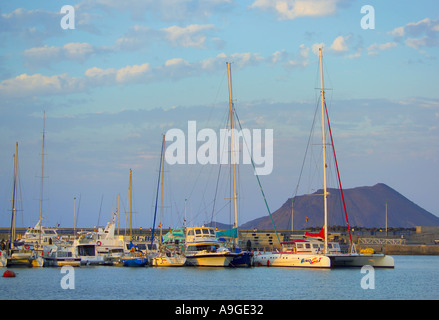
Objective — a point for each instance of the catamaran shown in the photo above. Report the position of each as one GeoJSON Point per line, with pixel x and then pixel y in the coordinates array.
{"type": "Point", "coordinates": [314, 251]}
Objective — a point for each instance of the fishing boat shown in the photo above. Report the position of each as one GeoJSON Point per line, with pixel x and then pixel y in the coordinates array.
{"type": "Point", "coordinates": [318, 252]}
{"type": "Point", "coordinates": [168, 255]}
{"type": "Point", "coordinates": [203, 249]}
{"type": "Point", "coordinates": [60, 256]}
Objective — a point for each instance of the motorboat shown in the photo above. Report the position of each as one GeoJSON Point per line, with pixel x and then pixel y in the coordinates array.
{"type": "Point", "coordinates": [60, 256]}
{"type": "Point", "coordinates": [87, 250]}
{"type": "Point", "coordinates": [203, 249]}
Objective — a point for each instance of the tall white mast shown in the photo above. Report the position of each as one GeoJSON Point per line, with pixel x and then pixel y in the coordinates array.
{"type": "Point", "coordinates": [325, 194]}
{"type": "Point", "coordinates": [161, 201]}
{"type": "Point", "coordinates": [235, 225]}
{"type": "Point", "coordinates": [131, 209]}
{"type": "Point", "coordinates": [42, 176]}
{"type": "Point", "coordinates": [14, 194]}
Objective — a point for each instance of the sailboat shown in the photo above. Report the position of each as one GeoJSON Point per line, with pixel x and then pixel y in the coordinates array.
{"type": "Point", "coordinates": [18, 253]}
{"type": "Point", "coordinates": [169, 255]}
{"type": "Point", "coordinates": [40, 236]}
{"type": "Point", "coordinates": [240, 258]}
{"type": "Point", "coordinates": [133, 258]}
{"type": "Point", "coordinates": [314, 251]}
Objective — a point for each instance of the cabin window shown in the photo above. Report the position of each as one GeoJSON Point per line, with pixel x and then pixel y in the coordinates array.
{"type": "Point", "coordinates": [315, 246]}
{"type": "Point", "coordinates": [212, 232]}
{"type": "Point", "coordinates": [190, 233]}
{"type": "Point", "coordinates": [197, 231]}
{"type": "Point", "coordinates": [308, 246]}
{"type": "Point", "coordinates": [205, 231]}
{"type": "Point", "coordinates": [300, 246]}
{"type": "Point", "coordinates": [329, 246]}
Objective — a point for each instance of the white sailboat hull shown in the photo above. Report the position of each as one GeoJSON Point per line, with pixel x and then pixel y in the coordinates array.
{"type": "Point", "coordinates": [292, 260]}
{"type": "Point", "coordinates": [163, 261]}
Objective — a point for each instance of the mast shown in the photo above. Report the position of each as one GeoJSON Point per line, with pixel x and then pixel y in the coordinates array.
{"type": "Point", "coordinates": [131, 210]}
{"type": "Point", "coordinates": [235, 225]}
{"type": "Point", "coordinates": [42, 174]}
{"type": "Point", "coordinates": [14, 196]}
{"type": "Point", "coordinates": [161, 201]}
{"type": "Point", "coordinates": [118, 217]}
{"type": "Point", "coordinates": [325, 194]}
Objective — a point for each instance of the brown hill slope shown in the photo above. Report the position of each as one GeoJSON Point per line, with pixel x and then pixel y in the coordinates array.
{"type": "Point", "coordinates": [365, 207]}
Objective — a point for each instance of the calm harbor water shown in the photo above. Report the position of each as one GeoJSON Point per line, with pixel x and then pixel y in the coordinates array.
{"type": "Point", "coordinates": [414, 277]}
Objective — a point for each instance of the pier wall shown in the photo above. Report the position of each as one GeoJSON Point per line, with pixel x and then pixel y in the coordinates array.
{"type": "Point", "coordinates": [408, 249]}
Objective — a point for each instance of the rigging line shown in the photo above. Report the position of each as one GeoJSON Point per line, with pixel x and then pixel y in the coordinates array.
{"type": "Point", "coordinates": [306, 151]}
{"type": "Point", "coordinates": [216, 192]}
{"type": "Point", "coordinates": [259, 182]}
{"type": "Point", "coordinates": [100, 208]}
{"type": "Point", "coordinates": [338, 175]}
{"type": "Point", "coordinates": [157, 196]}
{"type": "Point", "coordinates": [196, 181]}
{"type": "Point", "coordinates": [219, 173]}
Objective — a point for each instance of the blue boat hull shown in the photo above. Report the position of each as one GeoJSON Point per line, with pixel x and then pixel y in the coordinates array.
{"type": "Point", "coordinates": [242, 259]}
{"type": "Point", "coordinates": [137, 262]}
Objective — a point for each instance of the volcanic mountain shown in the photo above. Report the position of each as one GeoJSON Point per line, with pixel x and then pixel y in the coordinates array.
{"type": "Point", "coordinates": [365, 206]}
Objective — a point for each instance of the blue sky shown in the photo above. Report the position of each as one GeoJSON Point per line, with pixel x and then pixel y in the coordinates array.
{"type": "Point", "coordinates": [131, 70]}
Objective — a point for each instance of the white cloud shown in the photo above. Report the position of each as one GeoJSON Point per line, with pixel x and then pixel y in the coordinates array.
{"type": "Point", "coordinates": [132, 73]}
{"type": "Point", "coordinates": [38, 85]}
{"type": "Point", "coordinates": [45, 55]}
{"type": "Point", "coordinates": [339, 45]}
{"type": "Point", "coordinates": [417, 35]}
{"type": "Point", "coordinates": [189, 36]}
{"type": "Point", "coordinates": [98, 76]}
{"type": "Point", "coordinates": [165, 9]}
{"type": "Point", "coordinates": [375, 48]}
{"type": "Point", "coordinates": [137, 37]}
{"type": "Point", "coordinates": [292, 9]}
{"type": "Point", "coordinates": [302, 57]}
{"type": "Point", "coordinates": [26, 85]}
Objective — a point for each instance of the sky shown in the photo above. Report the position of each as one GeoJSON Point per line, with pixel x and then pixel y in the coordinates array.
{"type": "Point", "coordinates": [112, 76]}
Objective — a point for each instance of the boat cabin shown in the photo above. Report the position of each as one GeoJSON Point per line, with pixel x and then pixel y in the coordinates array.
{"type": "Point", "coordinates": [42, 236]}
{"type": "Point", "coordinates": [309, 247]}
{"type": "Point", "coordinates": [197, 234]}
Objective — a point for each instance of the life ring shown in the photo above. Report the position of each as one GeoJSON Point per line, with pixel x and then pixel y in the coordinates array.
{"type": "Point", "coordinates": [26, 246]}
{"type": "Point", "coordinates": [99, 243]}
